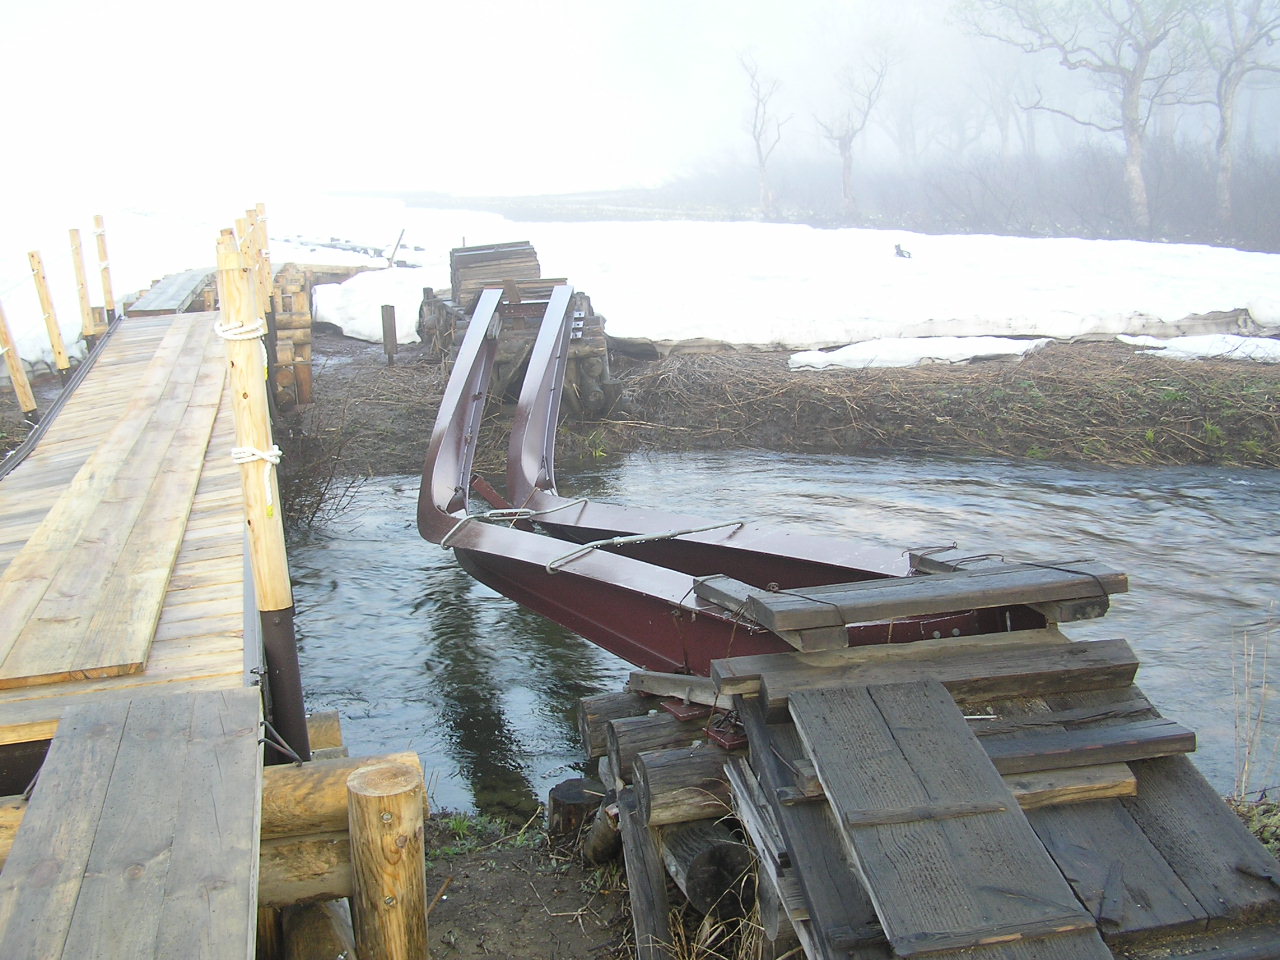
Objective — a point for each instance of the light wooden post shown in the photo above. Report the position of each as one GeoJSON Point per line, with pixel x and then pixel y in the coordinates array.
{"type": "Point", "coordinates": [265, 277]}
{"type": "Point", "coordinates": [389, 339]}
{"type": "Point", "coordinates": [17, 373]}
{"type": "Point", "coordinates": [105, 266]}
{"type": "Point", "coordinates": [88, 328]}
{"type": "Point", "coordinates": [257, 454]}
{"type": "Point", "coordinates": [389, 906]}
{"type": "Point", "coordinates": [60, 358]}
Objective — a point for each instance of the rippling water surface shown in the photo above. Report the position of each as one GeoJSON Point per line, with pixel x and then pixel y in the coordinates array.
{"type": "Point", "coordinates": [415, 654]}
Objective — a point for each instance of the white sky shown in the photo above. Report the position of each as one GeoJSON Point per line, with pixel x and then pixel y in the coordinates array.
{"type": "Point", "coordinates": [492, 96]}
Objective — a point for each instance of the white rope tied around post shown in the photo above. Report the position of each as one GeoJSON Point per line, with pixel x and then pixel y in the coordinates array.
{"type": "Point", "coordinates": [229, 331]}
{"type": "Point", "coordinates": [246, 455]}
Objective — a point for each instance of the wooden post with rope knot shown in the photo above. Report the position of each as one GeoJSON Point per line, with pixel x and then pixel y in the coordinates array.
{"type": "Point", "coordinates": [242, 328]}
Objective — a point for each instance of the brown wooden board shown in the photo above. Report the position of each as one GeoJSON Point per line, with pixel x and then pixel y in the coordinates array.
{"type": "Point", "coordinates": [141, 838]}
{"type": "Point", "coordinates": [647, 881]}
{"type": "Point", "coordinates": [1223, 865]}
{"type": "Point", "coordinates": [969, 673]}
{"type": "Point", "coordinates": [952, 881]}
{"type": "Point", "coordinates": [872, 601]}
{"type": "Point", "coordinates": [743, 675]}
{"type": "Point", "coordinates": [1115, 871]}
{"type": "Point", "coordinates": [1084, 746]}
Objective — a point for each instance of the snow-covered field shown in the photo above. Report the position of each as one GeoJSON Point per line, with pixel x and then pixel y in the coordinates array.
{"type": "Point", "coordinates": [782, 285]}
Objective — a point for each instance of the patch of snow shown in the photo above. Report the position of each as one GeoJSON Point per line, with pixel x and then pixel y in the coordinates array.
{"type": "Point", "coordinates": [356, 305]}
{"type": "Point", "coordinates": [1210, 346]}
{"type": "Point", "coordinates": [913, 352]}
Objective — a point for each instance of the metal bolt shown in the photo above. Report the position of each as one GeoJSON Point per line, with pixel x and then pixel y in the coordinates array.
{"type": "Point", "coordinates": [386, 818]}
{"type": "Point", "coordinates": [389, 901]}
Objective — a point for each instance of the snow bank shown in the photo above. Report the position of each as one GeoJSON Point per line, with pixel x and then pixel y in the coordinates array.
{"type": "Point", "coordinates": [1219, 346]}
{"type": "Point", "coordinates": [356, 305]}
{"type": "Point", "coordinates": [781, 285]}
{"type": "Point", "coordinates": [914, 351]}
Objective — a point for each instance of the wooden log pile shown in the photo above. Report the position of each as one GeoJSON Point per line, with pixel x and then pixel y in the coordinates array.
{"type": "Point", "coordinates": [1013, 794]}
{"type": "Point", "coordinates": [472, 269]}
{"type": "Point", "coordinates": [513, 268]}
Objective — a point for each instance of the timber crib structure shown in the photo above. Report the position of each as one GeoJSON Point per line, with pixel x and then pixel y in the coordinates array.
{"type": "Point", "coordinates": [888, 754]}
{"type": "Point", "coordinates": [147, 658]}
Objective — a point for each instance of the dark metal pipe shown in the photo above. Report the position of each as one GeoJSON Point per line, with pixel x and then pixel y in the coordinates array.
{"type": "Point", "coordinates": [284, 682]}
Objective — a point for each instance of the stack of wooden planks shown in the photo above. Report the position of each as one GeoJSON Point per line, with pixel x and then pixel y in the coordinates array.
{"type": "Point", "coordinates": [472, 269]}
{"type": "Point", "coordinates": [1014, 795]}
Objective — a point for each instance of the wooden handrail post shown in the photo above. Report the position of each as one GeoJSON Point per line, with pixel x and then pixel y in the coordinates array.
{"type": "Point", "coordinates": [105, 266]}
{"type": "Point", "coordinates": [17, 373]}
{"type": "Point", "coordinates": [385, 807]}
{"type": "Point", "coordinates": [60, 358]}
{"type": "Point", "coordinates": [242, 329]}
{"type": "Point", "coordinates": [88, 328]}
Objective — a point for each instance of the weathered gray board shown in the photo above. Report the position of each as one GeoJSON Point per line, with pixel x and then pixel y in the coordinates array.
{"type": "Point", "coordinates": [873, 601]}
{"type": "Point", "coordinates": [141, 839]}
{"type": "Point", "coordinates": [986, 671]}
{"type": "Point", "coordinates": [948, 859]}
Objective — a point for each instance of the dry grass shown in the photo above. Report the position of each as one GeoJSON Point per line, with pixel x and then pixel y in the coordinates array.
{"type": "Point", "coordinates": [1084, 402]}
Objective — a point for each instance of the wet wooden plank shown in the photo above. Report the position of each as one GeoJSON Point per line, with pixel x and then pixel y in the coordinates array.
{"type": "Point", "coordinates": [957, 878]}
{"type": "Point", "coordinates": [1115, 871]}
{"type": "Point", "coordinates": [1223, 865]}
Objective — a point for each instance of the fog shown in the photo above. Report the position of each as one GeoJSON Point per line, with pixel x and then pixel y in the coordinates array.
{"type": "Point", "coordinates": [156, 103]}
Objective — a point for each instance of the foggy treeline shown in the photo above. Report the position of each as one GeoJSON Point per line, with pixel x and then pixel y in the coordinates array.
{"type": "Point", "coordinates": [1151, 119]}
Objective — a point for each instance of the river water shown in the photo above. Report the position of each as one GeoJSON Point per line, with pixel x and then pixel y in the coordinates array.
{"type": "Point", "coordinates": [416, 655]}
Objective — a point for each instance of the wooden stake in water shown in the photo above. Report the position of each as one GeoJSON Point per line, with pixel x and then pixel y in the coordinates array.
{"type": "Point", "coordinates": [88, 328]}
{"type": "Point", "coordinates": [17, 373]}
{"type": "Point", "coordinates": [105, 266]}
{"type": "Point", "coordinates": [60, 358]}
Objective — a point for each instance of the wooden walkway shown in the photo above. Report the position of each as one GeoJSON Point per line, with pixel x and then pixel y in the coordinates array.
{"type": "Point", "coordinates": [121, 535]}
{"type": "Point", "coordinates": [142, 837]}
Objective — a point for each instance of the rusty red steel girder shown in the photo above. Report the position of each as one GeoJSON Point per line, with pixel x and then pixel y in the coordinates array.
{"type": "Point", "coordinates": [635, 598]}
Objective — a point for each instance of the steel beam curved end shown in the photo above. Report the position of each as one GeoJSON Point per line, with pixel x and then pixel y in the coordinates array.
{"type": "Point", "coordinates": [442, 498]}
{"type": "Point", "coordinates": [531, 452]}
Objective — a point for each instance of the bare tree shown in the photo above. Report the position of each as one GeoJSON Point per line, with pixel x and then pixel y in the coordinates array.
{"type": "Point", "coordinates": [1238, 39]}
{"type": "Point", "coordinates": [860, 90]}
{"type": "Point", "coordinates": [1131, 49]}
{"type": "Point", "coordinates": [766, 130]}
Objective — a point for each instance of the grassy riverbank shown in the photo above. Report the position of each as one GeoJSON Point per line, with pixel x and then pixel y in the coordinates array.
{"type": "Point", "coordinates": [1087, 402]}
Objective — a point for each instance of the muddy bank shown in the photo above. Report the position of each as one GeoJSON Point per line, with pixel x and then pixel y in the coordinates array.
{"type": "Point", "coordinates": [1085, 402]}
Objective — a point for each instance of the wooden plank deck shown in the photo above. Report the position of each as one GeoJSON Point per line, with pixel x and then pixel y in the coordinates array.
{"type": "Point", "coordinates": [179, 540]}
{"type": "Point", "coordinates": [142, 835]}
{"type": "Point", "coordinates": [920, 808]}
{"type": "Point", "coordinates": [172, 294]}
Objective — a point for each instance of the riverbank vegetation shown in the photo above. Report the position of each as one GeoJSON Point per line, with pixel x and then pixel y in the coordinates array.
{"type": "Point", "coordinates": [1102, 403]}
